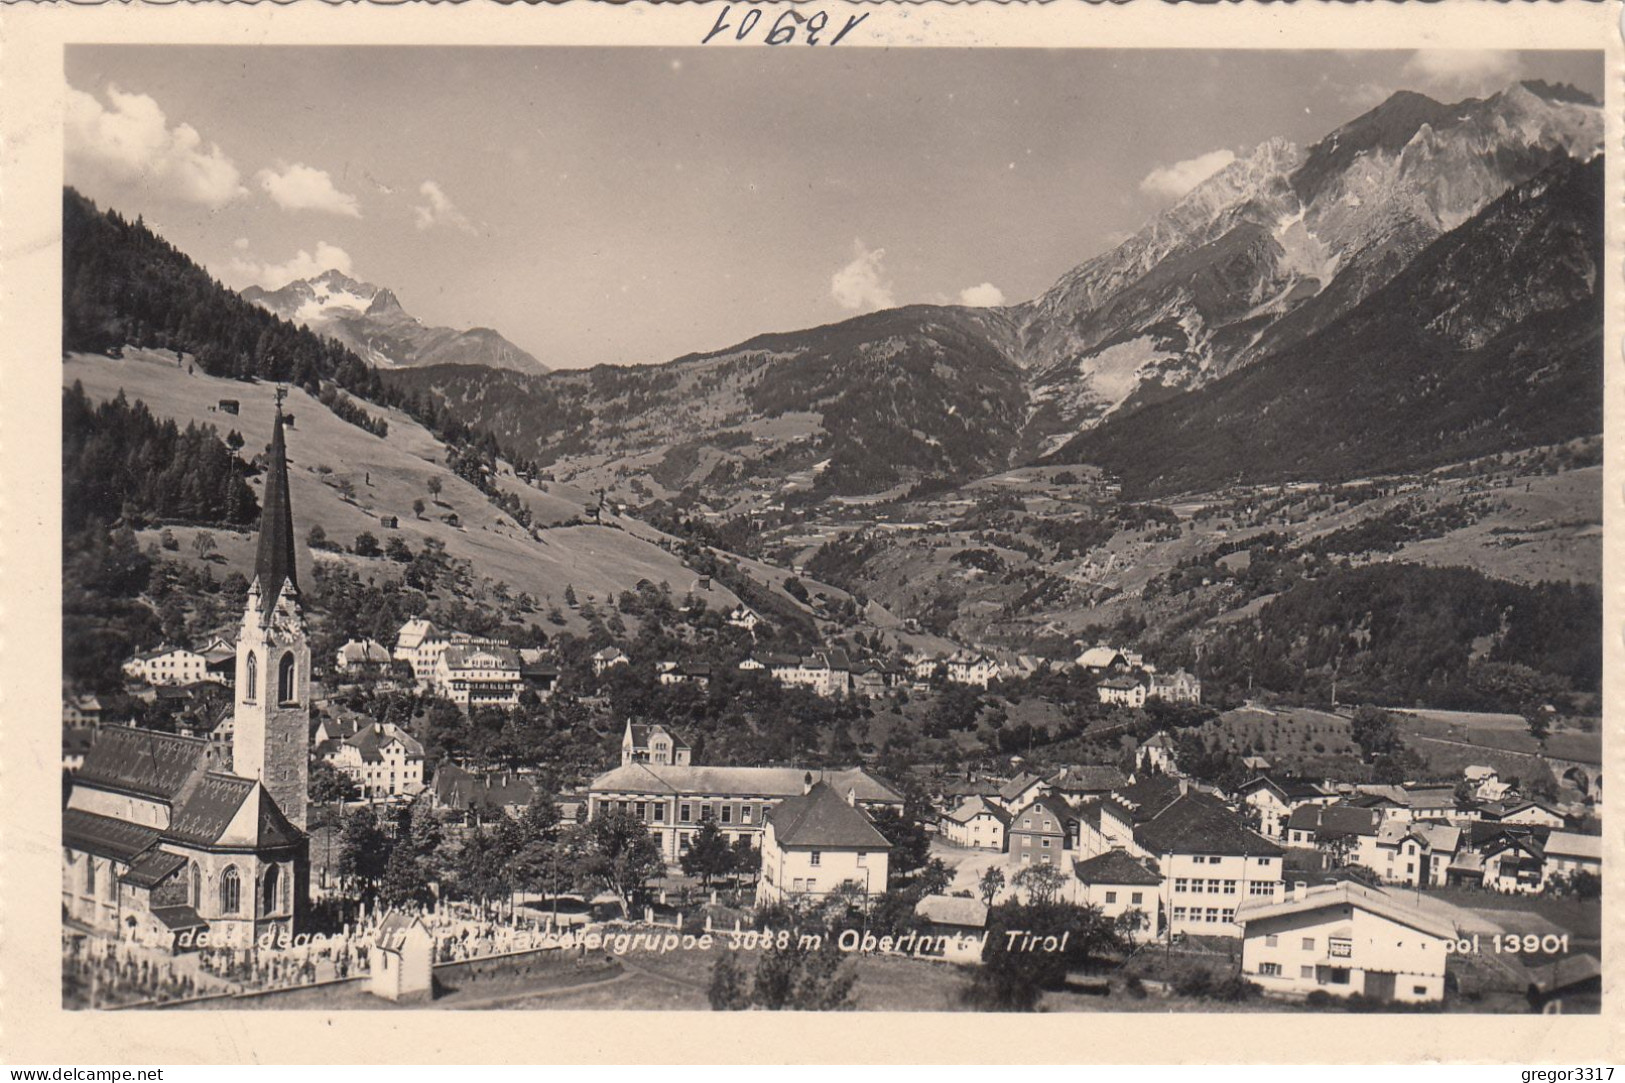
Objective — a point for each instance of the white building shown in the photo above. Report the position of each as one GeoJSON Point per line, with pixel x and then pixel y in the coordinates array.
{"type": "Point", "coordinates": [1118, 883]}
{"type": "Point", "coordinates": [1568, 853]}
{"type": "Point", "coordinates": [1176, 687]}
{"type": "Point", "coordinates": [818, 844]}
{"type": "Point", "coordinates": [419, 644]}
{"type": "Point", "coordinates": [653, 744]}
{"type": "Point", "coordinates": [479, 676]}
{"type": "Point", "coordinates": [1123, 691]}
{"type": "Point", "coordinates": [608, 659]}
{"type": "Point", "coordinates": [360, 654]}
{"type": "Point", "coordinates": [1343, 939]}
{"type": "Point", "coordinates": [382, 759]}
{"type": "Point", "coordinates": [744, 617]}
{"type": "Point", "coordinates": [169, 666]}
{"type": "Point", "coordinates": [972, 668]}
{"type": "Point", "coordinates": [976, 824]}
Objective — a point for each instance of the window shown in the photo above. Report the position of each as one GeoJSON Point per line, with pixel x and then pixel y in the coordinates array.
{"type": "Point", "coordinates": [1306, 972]}
{"type": "Point", "coordinates": [253, 679]}
{"type": "Point", "coordinates": [1308, 943]}
{"type": "Point", "coordinates": [1028, 822]}
{"type": "Point", "coordinates": [1026, 840]}
{"type": "Point", "coordinates": [1199, 859]}
{"type": "Point", "coordinates": [1338, 975]}
{"type": "Point", "coordinates": [1227, 915]}
{"type": "Point", "coordinates": [1136, 898]}
{"type": "Point", "coordinates": [1229, 887]}
{"type": "Point", "coordinates": [682, 841]}
{"type": "Point", "coordinates": [1212, 887]}
{"type": "Point", "coordinates": [231, 891]}
{"type": "Point", "coordinates": [744, 814]}
{"type": "Point", "coordinates": [816, 859]}
{"type": "Point", "coordinates": [660, 812]}
{"type": "Point", "coordinates": [1410, 866]}
{"type": "Point", "coordinates": [1419, 990]}
{"type": "Point", "coordinates": [812, 885]}
{"type": "Point", "coordinates": [1269, 970]}
{"type": "Point", "coordinates": [798, 884]}
{"type": "Point", "coordinates": [1212, 916]}
{"type": "Point", "coordinates": [195, 878]}
{"type": "Point", "coordinates": [1179, 913]}
{"type": "Point", "coordinates": [268, 890]}
{"type": "Point", "coordinates": [685, 814]}
{"type": "Point", "coordinates": [90, 875]}
{"type": "Point", "coordinates": [287, 681]}
{"type": "Point", "coordinates": [1181, 884]}
{"type": "Point", "coordinates": [705, 811]}
{"type": "Point", "coordinates": [1111, 897]}
{"type": "Point", "coordinates": [863, 858]}
{"type": "Point", "coordinates": [1271, 940]}
{"type": "Point", "coordinates": [1045, 842]}
{"type": "Point", "coordinates": [727, 814]}
{"type": "Point", "coordinates": [1261, 887]}
{"type": "Point", "coordinates": [640, 809]}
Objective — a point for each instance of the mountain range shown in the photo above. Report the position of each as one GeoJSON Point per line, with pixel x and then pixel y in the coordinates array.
{"type": "Point", "coordinates": [369, 320]}
{"type": "Point", "coordinates": [1390, 246]}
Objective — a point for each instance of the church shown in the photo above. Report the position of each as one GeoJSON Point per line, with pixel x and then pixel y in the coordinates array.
{"type": "Point", "coordinates": [167, 837]}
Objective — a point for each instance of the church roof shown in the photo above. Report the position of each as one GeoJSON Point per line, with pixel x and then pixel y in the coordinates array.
{"type": "Point", "coordinates": [142, 762]}
{"type": "Point", "coordinates": [104, 836]}
{"type": "Point", "coordinates": [273, 561]}
{"type": "Point", "coordinates": [152, 868]}
{"type": "Point", "coordinates": [178, 918]}
{"type": "Point", "coordinates": [203, 817]}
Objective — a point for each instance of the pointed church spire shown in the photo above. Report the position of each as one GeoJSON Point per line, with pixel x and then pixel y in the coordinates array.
{"type": "Point", "coordinates": [274, 563]}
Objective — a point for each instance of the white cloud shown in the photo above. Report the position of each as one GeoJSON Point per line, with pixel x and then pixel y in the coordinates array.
{"type": "Point", "coordinates": [861, 283]}
{"type": "Point", "coordinates": [240, 244]}
{"type": "Point", "coordinates": [439, 211]}
{"type": "Point", "coordinates": [301, 187]}
{"type": "Point", "coordinates": [987, 295]}
{"type": "Point", "coordinates": [1173, 181]}
{"type": "Point", "coordinates": [130, 139]}
{"type": "Point", "coordinates": [1464, 71]}
{"type": "Point", "coordinates": [328, 257]}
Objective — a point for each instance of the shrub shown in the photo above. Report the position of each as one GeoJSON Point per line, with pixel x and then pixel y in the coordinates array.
{"type": "Point", "coordinates": [1134, 987]}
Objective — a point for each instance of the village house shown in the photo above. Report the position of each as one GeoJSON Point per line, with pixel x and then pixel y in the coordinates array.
{"type": "Point", "coordinates": [160, 838]}
{"type": "Point", "coordinates": [1346, 833]}
{"type": "Point", "coordinates": [1108, 823]}
{"type": "Point", "coordinates": [1415, 853]}
{"type": "Point", "coordinates": [696, 673]}
{"type": "Point", "coordinates": [825, 673]}
{"type": "Point", "coordinates": [1122, 691]}
{"type": "Point", "coordinates": [538, 672]}
{"type": "Point", "coordinates": [1511, 863]}
{"type": "Point", "coordinates": [1157, 754]}
{"type": "Point", "coordinates": [653, 744]}
{"type": "Point", "coordinates": [972, 668]}
{"type": "Point", "coordinates": [952, 928]}
{"type": "Point", "coordinates": [418, 644]}
{"type": "Point", "coordinates": [742, 616]}
{"type": "Point", "coordinates": [1274, 800]}
{"type": "Point", "coordinates": [1486, 781]}
{"type": "Point", "coordinates": [1522, 813]}
{"type": "Point", "coordinates": [480, 797]}
{"type": "Point", "coordinates": [81, 711]}
{"type": "Point", "coordinates": [382, 759]}
{"type": "Point", "coordinates": [1041, 833]}
{"type": "Point", "coordinates": [1085, 781]}
{"type": "Point", "coordinates": [1210, 861]}
{"type": "Point", "coordinates": [361, 655]}
{"type": "Point", "coordinates": [1175, 687]}
{"type": "Point", "coordinates": [474, 677]}
{"type": "Point", "coordinates": [1102, 659]}
{"type": "Point", "coordinates": [675, 800]}
{"type": "Point", "coordinates": [1342, 939]}
{"type": "Point", "coordinates": [1118, 883]}
{"type": "Point", "coordinates": [1568, 853]}
{"type": "Point", "coordinates": [818, 843]}
{"type": "Point", "coordinates": [923, 667]}
{"type": "Point", "coordinates": [608, 658]}
{"type": "Point", "coordinates": [168, 667]}
{"type": "Point", "coordinates": [976, 824]}
{"type": "Point", "coordinates": [1021, 791]}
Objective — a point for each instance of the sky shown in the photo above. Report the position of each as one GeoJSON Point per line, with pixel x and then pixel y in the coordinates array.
{"type": "Point", "coordinates": [631, 205]}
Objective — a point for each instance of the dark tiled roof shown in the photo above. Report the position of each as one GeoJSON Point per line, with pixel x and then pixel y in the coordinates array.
{"type": "Point", "coordinates": [142, 762]}
{"type": "Point", "coordinates": [179, 917]}
{"type": "Point", "coordinates": [1089, 778]}
{"type": "Point", "coordinates": [1331, 821]}
{"type": "Point", "coordinates": [1147, 797]}
{"type": "Point", "coordinates": [208, 810]}
{"type": "Point", "coordinates": [1115, 867]}
{"type": "Point", "coordinates": [1199, 824]}
{"type": "Point", "coordinates": [737, 781]}
{"type": "Point", "coordinates": [821, 817]}
{"type": "Point", "coordinates": [1017, 786]}
{"type": "Point", "coordinates": [1055, 806]}
{"type": "Point", "coordinates": [105, 836]}
{"type": "Point", "coordinates": [274, 565]}
{"type": "Point", "coordinates": [977, 805]}
{"type": "Point", "coordinates": [153, 867]}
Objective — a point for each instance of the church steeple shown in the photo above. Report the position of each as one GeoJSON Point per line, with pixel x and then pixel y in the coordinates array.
{"type": "Point", "coordinates": [274, 563]}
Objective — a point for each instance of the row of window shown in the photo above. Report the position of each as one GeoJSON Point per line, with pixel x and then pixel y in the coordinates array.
{"type": "Point", "coordinates": [1211, 915]}
{"type": "Point", "coordinates": [1184, 884]}
{"type": "Point", "coordinates": [690, 812]}
{"type": "Point", "coordinates": [1138, 897]}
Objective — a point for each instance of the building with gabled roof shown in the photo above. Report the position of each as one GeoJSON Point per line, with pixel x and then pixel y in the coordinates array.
{"type": "Point", "coordinates": [164, 835]}
{"type": "Point", "coordinates": [653, 744]}
{"type": "Point", "coordinates": [478, 676]}
{"type": "Point", "coordinates": [608, 658]}
{"type": "Point", "coordinates": [1020, 791]}
{"type": "Point", "coordinates": [1568, 852]}
{"type": "Point", "coordinates": [1087, 780]}
{"type": "Point", "coordinates": [1342, 939]}
{"type": "Point", "coordinates": [1344, 832]}
{"type": "Point", "coordinates": [1041, 832]}
{"type": "Point", "coordinates": [818, 843]}
{"type": "Point", "coordinates": [1117, 882]}
{"type": "Point", "coordinates": [674, 801]}
{"type": "Point", "coordinates": [382, 759]}
{"type": "Point", "coordinates": [1101, 659]}
{"type": "Point", "coordinates": [1274, 800]}
{"type": "Point", "coordinates": [358, 655]}
{"type": "Point", "coordinates": [1414, 853]}
{"type": "Point", "coordinates": [1210, 860]}
{"type": "Point", "coordinates": [976, 823]}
